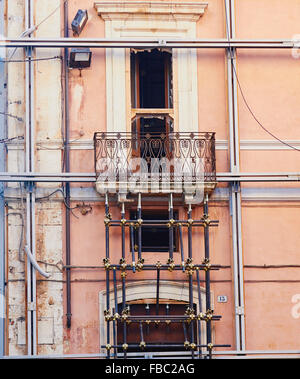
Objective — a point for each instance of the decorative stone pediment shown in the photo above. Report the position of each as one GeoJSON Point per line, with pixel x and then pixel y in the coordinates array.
{"type": "Point", "coordinates": [120, 10]}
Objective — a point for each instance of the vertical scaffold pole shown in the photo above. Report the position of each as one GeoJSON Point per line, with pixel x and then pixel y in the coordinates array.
{"type": "Point", "coordinates": [147, 308]}
{"type": "Point", "coordinates": [190, 275]}
{"type": "Point", "coordinates": [3, 135]}
{"type": "Point", "coordinates": [167, 314]}
{"type": "Point", "coordinates": [157, 288]}
{"type": "Point", "coordinates": [107, 271]}
{"type": "Point", "coordinates": [186, 341]}
{"type": "Point", "coordinates": [139, 214]}
{"type": "Point", "coordinates": [171, 242]}
{"type": "Point", "coordinates": [235, 196]}
{"type": "Point", "coordinates": [207, 272]}
{"type": "Point", "coordinates": [142, 343]}
{"type": "Point", "coordinates": [123, 229]}
{"type": "Point", "coordinates": [181, 246]}
{"type": "Point", "coordinates": [200, 310]}
{"type": "Point", "coordinates": [132, 248]}
{"type": "Point", "coordinates": [123, 276]}
{"type": "Point", "coordinates": [116, 310]}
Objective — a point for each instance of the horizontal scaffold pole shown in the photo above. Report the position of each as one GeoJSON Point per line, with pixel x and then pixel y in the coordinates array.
{"type": "Point", "coordinates": [123, 266]}
{"type": "Point", "coordinates": [164, 318]}
{"type": "Point", "coordinates": [91, 177]}
{"type": "Point", "coordinates": [159, 346]}
{"type": "Point", "coordinates": [147, 43]}
{"type": "Point", "coordinates": [161, 222]}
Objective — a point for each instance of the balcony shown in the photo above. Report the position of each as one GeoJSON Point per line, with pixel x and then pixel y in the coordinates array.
{"type": "Point", "coordinates": [155, 162]}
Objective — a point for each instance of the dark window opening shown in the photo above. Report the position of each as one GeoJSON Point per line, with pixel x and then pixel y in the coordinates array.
{"type": "Point", "coordinates": [150, 130]}
{"type": "Point", "coordinates": [151, 91]}
{"type": "Point", "coordinates": [153, 126]}
{"type": "Point", "coordinates": [151, 79]}
{"type": "Point", "coordinates": [155, 238]}
{"type": "Point", "coordinates": [170, 334]}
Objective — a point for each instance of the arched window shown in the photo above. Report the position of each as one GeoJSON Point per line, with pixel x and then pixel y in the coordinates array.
{"type": "Point", "coordinates": [138, 295]}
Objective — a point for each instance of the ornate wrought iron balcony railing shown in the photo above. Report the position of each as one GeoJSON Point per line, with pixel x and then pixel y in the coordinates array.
{"type": "Point", "coordinates": [154, 162]}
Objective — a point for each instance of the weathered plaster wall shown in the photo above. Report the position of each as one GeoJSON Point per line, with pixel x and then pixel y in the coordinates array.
{"type": "Point", "coordinates": [270, 80]}
{"type": "Point", "coordinates": [276, 102]}
{"type": "Point", "coordinates": [15, 162]}
{"type": "Point", "coordinates": [49, 238]}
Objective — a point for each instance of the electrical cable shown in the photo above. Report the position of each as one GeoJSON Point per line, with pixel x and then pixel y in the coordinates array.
{"type": "Point", "coordinates": [244, 97]}
{"type": "Point", "coordinates": [51, 14]}
{"type": "Point", "coordinates": [30, 60]}
{"type": "Point", "coordinates": [64, 200]}
{"type": "Point", "coordinates": [5, 140]}
{"type": "Point", "coordinates": [35, 27]}
{"type": "Point", "coordinates": [12, 116]}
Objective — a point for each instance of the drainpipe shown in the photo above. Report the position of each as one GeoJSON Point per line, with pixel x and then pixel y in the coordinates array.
{"type": "Point", "coordinates": [235, 190]}
{"type": "Point", "coordinates": [30, 197]}
{"type": "Point", "coordinates": [67, 169]}
{"type": "Point", "coordinates": [34, 262]}
{"type": "Point", "coordinates": [3, 130]}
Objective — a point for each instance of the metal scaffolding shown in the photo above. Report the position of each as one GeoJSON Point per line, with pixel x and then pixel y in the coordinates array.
{"type": "Point", "coordinates": [189, 266]}
{"type": "Point", "coordinates": [190, 320]}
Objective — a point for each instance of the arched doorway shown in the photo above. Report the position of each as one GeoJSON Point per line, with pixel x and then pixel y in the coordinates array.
{"type": "Point", "coordinates": [143, 292]}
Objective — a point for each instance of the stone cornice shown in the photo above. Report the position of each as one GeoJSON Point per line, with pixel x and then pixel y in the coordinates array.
{"type": "Point", "coordinates": [119, 10]}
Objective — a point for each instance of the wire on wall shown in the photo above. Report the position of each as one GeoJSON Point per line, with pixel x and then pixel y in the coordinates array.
{"type": "Point", "coordinates": [31, 60]}
{"type": "Point", "coordinates": [244, 97]}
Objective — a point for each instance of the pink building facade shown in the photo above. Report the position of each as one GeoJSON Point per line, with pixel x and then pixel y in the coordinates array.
{"type": "Point", "coordinates": [230, 68]}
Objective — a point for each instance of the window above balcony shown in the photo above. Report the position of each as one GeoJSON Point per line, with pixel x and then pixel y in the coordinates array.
{"type": "Point", "coordinates": [151, 79]}
{"type": "Point", "coordinates": [144, 20]}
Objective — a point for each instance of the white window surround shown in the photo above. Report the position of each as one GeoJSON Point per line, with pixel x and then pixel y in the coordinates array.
{"type": "Point", "coordinates": [168, 290]}
{"type": "Point", "coordinates": [144, 19]}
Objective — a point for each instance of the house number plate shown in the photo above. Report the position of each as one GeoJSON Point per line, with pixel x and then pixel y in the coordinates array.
{"type": "Point", "coordinates": [222, 299]}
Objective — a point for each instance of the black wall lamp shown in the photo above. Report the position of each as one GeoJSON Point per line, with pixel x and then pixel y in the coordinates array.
{"type": "Point", "coordinates": [80, 58]}
{"type": "Point", "coordinates": [79, 21]}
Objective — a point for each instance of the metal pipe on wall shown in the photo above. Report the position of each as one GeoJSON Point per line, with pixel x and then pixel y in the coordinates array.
{"type": "Point", "coordinates": [67, 169]}
{"type": "Point", "coordinates": [139, 216]}
{"type": "Point", "coordinates": [3, 134]}
{"type": "Point", "coordinates": [171, 235]}
{"type": "Point", "coordinates": [30, 197]}
{"type": "Point", "coordinates": [207, 272]}
{"type": "Point", "coordinates": [190, 275]}
{"type": "Point", "coordinates": [199, 310]}
{"type": "Point", "coordinates": [235, 196]}
{"type": "Point", "coordinates": [236, 200]}
{"type": "Point", "coordinates": [116, 309]}
{"type": "Point", "coordinates": [34, 263]}
{"type": "Point", "coordinates": [221, 177]}
{"type": "Point", "coordinates": [107, 260]}
{"type": "Point", "coordinates": [147, 43]}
